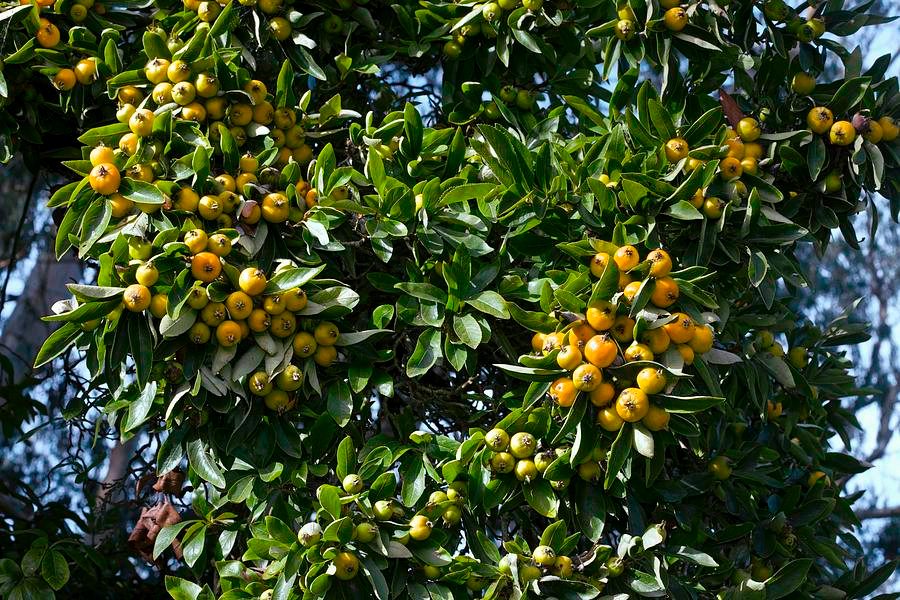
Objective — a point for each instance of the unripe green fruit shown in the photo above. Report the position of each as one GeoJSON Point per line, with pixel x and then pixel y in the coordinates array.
{"type": "Point", "coordinates": [352, 484]}
{"type": "Point", "coordinates": [366, 532]}
{"type": "Point", "coordinates": [544, 556]}
{"type": "Point", "coordinates": [383, 510]}
{"type": "Point", "coordinates": [309, 534]}
{"type": "Point", "coordinates": [798, 357]}
{"type": "Point", "coordinates": [497, 440]}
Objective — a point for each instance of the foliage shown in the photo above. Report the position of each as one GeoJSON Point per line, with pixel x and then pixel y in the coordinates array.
{"type": "Point", "coordinates": [441, 353]}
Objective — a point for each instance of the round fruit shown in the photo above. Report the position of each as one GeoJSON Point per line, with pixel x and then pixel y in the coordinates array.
{"type": "Point", "coordinates": [346, 566]}
{"type": "Point", "coordinates": [598, 263]}
{"type": "Point", "coordinates": [136, 297]}
{"type": "Point", "coordinates": [326, 334]}
{"type": "Point", "coordinates": [873, 133]}
{"type": "Point", "coordinates": [544, 556]}
{"type": "Point", "coordinates": [309, 534]}
{"type": "Point", "coordinates": [325, 356]}
{"type": "Point", "coordinates": [141, 122]}
{"type": "Point", "coordinates": [651, 381]}
{"type": "Point", "coordinates": [304, 344]}
{"type": "Point", "coordinates": [681, 329]}
{"type": "Point", "coordinates": [563, 392]}
{"type": "Point", "coordinates": [601, 316]}
{"type": "Point", "coordinates": [842, 133]}
{"type": "Point", "coordinates": [676, 149]}
{"type": "Point", "coordinates": [748, 129]}
{"type": "Point", "coordinates": [730, 168]}
{"type": "Point", "coordinates": [252, 281]}
{"type": "Point", "coordinates": [702, 341]}
{"type": "Point", "coordinates": [47, 34]}
{"type": "Point", "coordinates": [665, 292]}
{"type": "Point", "coordinates": [352, 483]}
{"type": "Point", "coordinates": [569, 357]}
{"type": "Point", "coordinates": [803, 83]}
{"type": "Point", "coordinates": [526, 470]}
{"type": "Point", "coordinates": [228, 334]}
{"type": "Point", "coordinates": [522, 444]}
{"type": "Point", "coordinates": [626, 258]}
{"type": "Point", "coordinates": [147, 274]}
{"type": "Point", "coordinates": [816, 476]}
{"type": "Point", "coordinates": [206, 266]}
{"type": "Point", "coordinates": [798, 357]}
{"type": "Point", "coordinates": [889, 129]}
{"type": "Point", "coordinates": [289, 380]}
{"type": "Point", "coordinates": [624, 29]}
{"type": "Point", "coordinates": [366, 532]}
{"type": "Point", "coordinates": [601, 350]}
{"type": "Point", "coordinates": [590, 471]}
{"type": "Point", "coordinates": [603, 394]}
{"type": "Point", "coordinates": [656, 418]}
{"type": "Point", "coordinates": [819, 119]}
{"type": "Point", "coordinates": [660, 263]}
{"type": "Point", "coordinates": [105, 179]}
{"type": "Point", "coordinates": [719, 468]}
{"type": "Point", "coordinates": [632, 404]}
{"type": "Point", "coordinates": [503, 462]}
{"type": "Point", "coordinates": [586, 378]}
{"type": "Point", "coordinates": [64, 80]}
{"type": "Point", "coordinates": [675, 19]}
{"type": "Point", "coordinates": [497, 440]}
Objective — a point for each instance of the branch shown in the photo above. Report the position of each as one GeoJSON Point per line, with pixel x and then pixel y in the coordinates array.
{"type": "Point", "coordinates": [879, 513]}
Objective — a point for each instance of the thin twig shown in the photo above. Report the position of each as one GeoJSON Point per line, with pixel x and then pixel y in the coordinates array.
{"type": "Point", "coordinates": [15, 241]}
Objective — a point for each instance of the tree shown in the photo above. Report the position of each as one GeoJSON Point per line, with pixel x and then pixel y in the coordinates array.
{"type": "Point", "coordinates": [440, 300]}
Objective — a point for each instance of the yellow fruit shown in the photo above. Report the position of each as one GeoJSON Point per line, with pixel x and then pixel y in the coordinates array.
{"type": "Point", "coordinates": [586, 378]}
{"type": "Point", "coordinates": [252, 281]}
{"type": "Point", "coordinates": [656, 418]}
{"type": "Point", "coordinates": [842, 133]}
{"type": "Point", "coordinates": [608, 418]}
{"type": "Point", "coordinates": [748, 129]}
{"type": "Point", "coordinates": [819, 119]}
{"type": "Point", "coordinates": [626, 258]}
{"type": "Point", "coordinates": [651, 381]}
{"type": "Point", "coordinates": [136, 297]}
{"type": "Point", "coordinates": [632, 404]}
{"type": "Point", "coordinates": [676, 149]}
{"type": "Point", "coordinates": [675, 19]}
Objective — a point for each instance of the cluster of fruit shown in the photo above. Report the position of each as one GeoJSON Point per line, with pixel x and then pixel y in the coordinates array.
{"type": "Point", "coordinates": [675, 18]}
{"type": "Point", "coordinates": [371, 520]}
{"type": "Point", "coordinates": [200, 98]}
{"type": "Point", "coordinates": [486, 22]}
{"type": "Point", "coordinates": [605, 338]}
{"type": "Point", "coordinates": [805, 30]}
{"type": "Point", "coordinates": [543, 561]}
{"type": "Point", "coordinates": [821, 121]}
{"type": "Point", "coordinates": [518, 455]}
{"type": "Point", "coordinates": [510, 95]}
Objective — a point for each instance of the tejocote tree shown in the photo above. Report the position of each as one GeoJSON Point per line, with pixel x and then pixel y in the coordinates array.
{"type": "Point", "coordinates": [532, 338]}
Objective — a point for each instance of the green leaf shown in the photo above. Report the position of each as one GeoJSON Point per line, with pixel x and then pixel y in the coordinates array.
{"type": "Point", "coordinates": [55, 569]}
{"type": "Point", "coordinates": [788, 579]}
{"type": "Point", "coordinates": [412, 475]}
{"type": "Point", "coordinates": [618, 454]}
{"type": "Point", "coordinates": [426, 353]}
{"type": "Point", "coordinates": [166, 536]}
{"type": "Point", "coordinates": [182, 589]}
{"type": "Point", "coordinates": [467, 330]}
{"type": "Point", "coordinates": [330, 498]}
{"type": "Point", "coordinates": [292, 278]}
{"type": "Point", "coordinates": [346, 458]}
{"type": "Point", "coordinates": [688, 404]}
{"type": "Point", "coordinates": [140, 408]}
{"type": "Point", "coordinates": [203, 464]}
{"type": "Point", "coordinates": [141, 192]}
{"type": "Point", "coordinates": [540, 496]}
{"type": "Point", "coordinates": [57, 343]}
{"type": "Point", "coordinates": [424, 291]}
{"type": "Point", "coordinates": [491, 303]}
{"type": "Point", "coordinates": [340, 402]}
{"type": "Point", "coordinates": [534, 321]}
